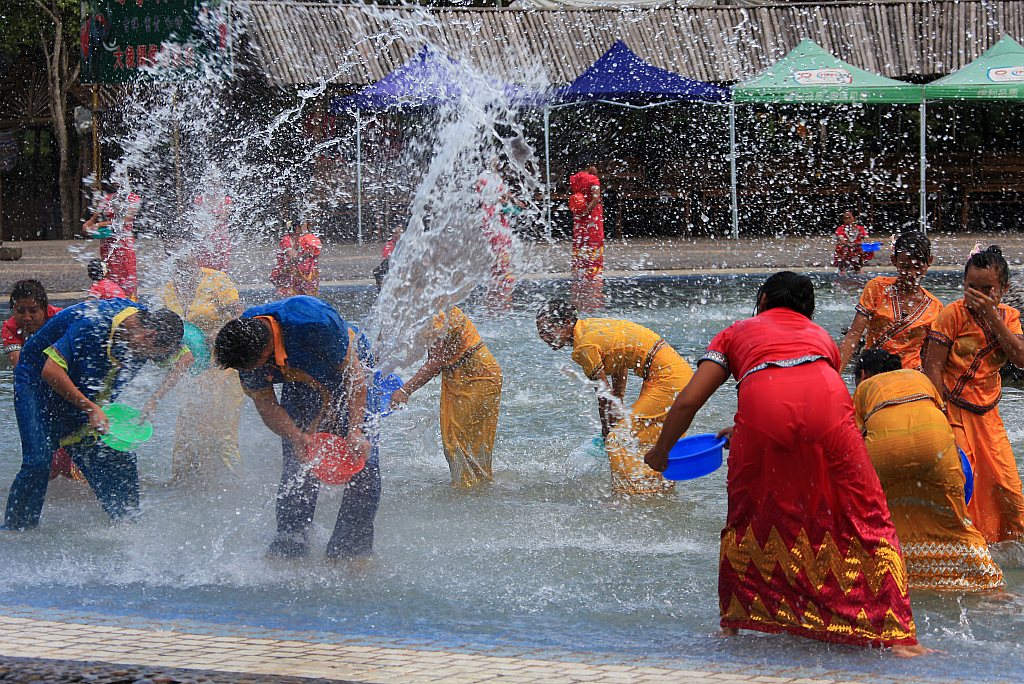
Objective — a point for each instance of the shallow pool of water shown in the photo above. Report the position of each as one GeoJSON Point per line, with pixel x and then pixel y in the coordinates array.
{"type": "Point", "coordinates": [544, 558]}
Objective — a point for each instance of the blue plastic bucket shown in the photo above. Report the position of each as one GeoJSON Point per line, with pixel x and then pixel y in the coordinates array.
{"type": "Point", "coordinates": [380, 393]}
{"type": "Point", "coordinates": [871, 246]}
{"type": "Point", "coordinates": [968, 476]}
{"type": "Point", "coordinates": [694, 457]}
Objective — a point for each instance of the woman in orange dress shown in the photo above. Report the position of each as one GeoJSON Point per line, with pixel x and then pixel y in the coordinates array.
{"type": "Point", "coordinates": [808, 546]}
{"type": "Point", "coordinates": [896, 312]}
{"type": "Point", "coordinates": [588, 242]}
{"type": "Point", "coordinates": [911, 446]}
{"type": "Point", "coordinates": [970, 342]}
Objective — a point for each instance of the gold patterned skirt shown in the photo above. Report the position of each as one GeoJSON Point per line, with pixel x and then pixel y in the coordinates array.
{"type": "Point", "coordinates": [911, 446]}
{"type": "Point", "coordinates": [808, 546]}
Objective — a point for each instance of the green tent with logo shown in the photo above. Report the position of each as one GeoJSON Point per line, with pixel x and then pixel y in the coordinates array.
{"type": "Point", "coordinates": [998, 74]}
{"type": "Point", "coordinates": [809, 74]}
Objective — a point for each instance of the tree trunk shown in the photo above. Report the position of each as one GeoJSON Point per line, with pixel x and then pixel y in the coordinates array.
{"type": "Point", "coordinates": [59, 79]}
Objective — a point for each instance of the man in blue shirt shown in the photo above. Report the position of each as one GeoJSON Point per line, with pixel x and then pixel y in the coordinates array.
{"type": "Point", "coordinates": [79, 359]}
{"type": "Point", "coordinates": [323, 364]}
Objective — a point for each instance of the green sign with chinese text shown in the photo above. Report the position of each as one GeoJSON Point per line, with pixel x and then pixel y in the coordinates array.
{"type": "Point", "coordinates": [165, 39]}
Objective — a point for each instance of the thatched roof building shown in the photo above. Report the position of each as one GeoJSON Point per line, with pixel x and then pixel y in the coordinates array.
{"type": "Point", "coordinates": [300, 43]}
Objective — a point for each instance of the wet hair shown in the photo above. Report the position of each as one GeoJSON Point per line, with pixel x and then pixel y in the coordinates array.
{"type": "Point", "coordinates": [381, 272]}
{"type": "Point", "coordinates": [876, 360]}
{"type": "Point", "coordinates": [990, 258]}
{"type": "Point", "coordinates": [240, 343]}
{"type": "Point", "coordinates": [559, 312]}
{"type": "Point", "coordinates": [166, 324]}
{"type": "Point", "coordinates": [788, 290]}
{"type": "Point", "coordinates": [914, 244]}
{"type": "Point", "coordinates": [97, 269]}
{"type": "Point", "coordinates": [29, 288]}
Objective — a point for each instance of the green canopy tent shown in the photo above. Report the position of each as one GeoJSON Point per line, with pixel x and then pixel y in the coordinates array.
{"type": "Point", "coordinates": [809, 74]}
{"type": "Point", "coordinates": [998, 74]}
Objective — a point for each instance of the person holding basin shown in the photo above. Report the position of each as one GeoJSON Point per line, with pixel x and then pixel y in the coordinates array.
{"type": "Point", "coordinates": [80, 359]}
{"type": "Point", "coordinates": [323, 364]}
{"type": "Point", "coordinates": [470, 396]}
{"type": "Point", "coordinates": [608, 351]}
{"type": "Point", "coordinates": [911, 446]}
{"type": "Point", "coordinates": [808, 546]}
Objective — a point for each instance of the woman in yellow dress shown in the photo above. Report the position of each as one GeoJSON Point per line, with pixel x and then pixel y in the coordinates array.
{"type": "Point", "coordinates": [470, 396]}
{"type": "Point", "coordinates": [207, 426]}
{"type": "Point", "coordinates": [911, 446]}
{"type": "Point", "coordinates": [896, 312]}
{"type": "Point", "coordinates": [608, 350]}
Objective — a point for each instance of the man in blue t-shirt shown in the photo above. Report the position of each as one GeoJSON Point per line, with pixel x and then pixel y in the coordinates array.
{"type": "Point", "coordinates": [79, 359]}
{"type": "Point", "coordinates": [322, 363]}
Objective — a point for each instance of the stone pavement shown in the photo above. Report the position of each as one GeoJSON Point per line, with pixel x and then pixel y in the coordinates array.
{"type": "Point", "coordinates": [60, 265]}
{"type": "Point", "coordinates": [65, 650]}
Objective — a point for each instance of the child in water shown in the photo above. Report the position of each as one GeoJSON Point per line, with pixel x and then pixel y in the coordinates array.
{"type": "Point", "coordinates": [102, 286]}
{"type": "Point", "coordinates": [850, 236]}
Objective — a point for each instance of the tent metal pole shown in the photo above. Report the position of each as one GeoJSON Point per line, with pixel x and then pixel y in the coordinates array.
{"type": "Point", "coordinates": [547, 165]}
{"type": "Point", "coordinates": [732, 172]}
{"type": "Point", "coordinates": [923, 163]}
{"type": "Point", "coordinates": [359, 180]}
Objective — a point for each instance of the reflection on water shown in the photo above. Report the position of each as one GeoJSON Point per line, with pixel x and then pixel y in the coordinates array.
{"type": "Point", "coordinates": [544, 558]}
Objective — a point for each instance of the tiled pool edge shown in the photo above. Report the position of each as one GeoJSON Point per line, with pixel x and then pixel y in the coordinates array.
{"type": "Point", "coordinates": [97, 638]}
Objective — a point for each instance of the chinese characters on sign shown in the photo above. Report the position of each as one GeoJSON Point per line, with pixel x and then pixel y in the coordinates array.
{"type": "Point", "coordinates": [119, 39]}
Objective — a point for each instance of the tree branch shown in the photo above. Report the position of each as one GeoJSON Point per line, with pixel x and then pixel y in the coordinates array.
{"type": "Point", "coordinates": [50, 13]}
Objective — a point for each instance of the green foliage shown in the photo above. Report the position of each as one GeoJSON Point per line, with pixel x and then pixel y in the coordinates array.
{"type": "Point", "coordinates": [26, 22]}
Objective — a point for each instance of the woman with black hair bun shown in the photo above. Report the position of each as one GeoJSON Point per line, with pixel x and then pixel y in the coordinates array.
{"type": "Point", "coordinates": [971, 341]}
{"type": "Point", "coordinates": [802, 492]}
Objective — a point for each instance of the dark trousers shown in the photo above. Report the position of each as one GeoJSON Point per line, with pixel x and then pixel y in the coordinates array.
{"type": "Point", "coordinates": [296, 503]}
{"type": "Point", "coordinates": [297, 493]}
{"type": "Point", "coordinates": [113, 475]}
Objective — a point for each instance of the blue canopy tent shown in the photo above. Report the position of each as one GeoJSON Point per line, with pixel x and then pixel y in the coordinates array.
{"type": "Point", "coordinates": [620, 78]}
{"type": "Point", "coordinates": [430, 79]}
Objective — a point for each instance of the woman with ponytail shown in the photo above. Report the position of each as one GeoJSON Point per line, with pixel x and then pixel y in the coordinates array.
{"type": "Point", "coordinates": [967, 346]}
{"type": "Point", "coordinates": [808, 546]}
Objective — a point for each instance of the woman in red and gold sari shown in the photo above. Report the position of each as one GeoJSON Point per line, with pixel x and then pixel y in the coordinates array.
{"type": "Point", "coordinates": [808, 547]}
{"type": "Point", "coordinates": [588, 242]}
{"type": "Point", "coordinates": [971, 340]}
{"type": "Point", "coordinates": [896, 312]}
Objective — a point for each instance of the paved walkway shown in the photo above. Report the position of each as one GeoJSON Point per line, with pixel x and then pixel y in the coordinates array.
{"type": "Point", "coordinates": [60, 265]}
{"type": "Point", "coordinates": [62, 646]}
